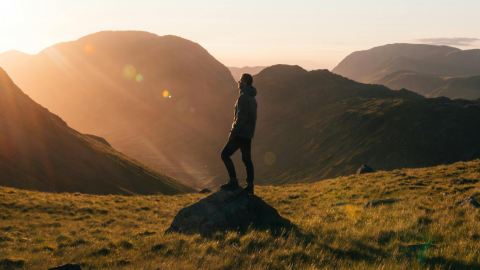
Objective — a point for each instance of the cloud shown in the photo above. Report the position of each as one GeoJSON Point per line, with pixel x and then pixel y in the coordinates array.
{"type": "Point", "coordinates": [458, 41]}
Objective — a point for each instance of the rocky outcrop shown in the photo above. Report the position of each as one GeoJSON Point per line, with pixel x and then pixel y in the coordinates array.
{"type": "Point", "coordinates": [99, 139]}
{"type": "Point", "coordinates": [227, 210]}
{"type": "Point", "coordinates": [204, 191]}
{"type": "Point", "coordinates": [365, 169]}
{"type": "Point", "coordinates": [382, 202]}
{"type": "Point", "coordinates": [470, 201]}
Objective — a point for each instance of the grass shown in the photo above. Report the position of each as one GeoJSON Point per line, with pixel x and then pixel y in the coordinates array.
{"type": "Point", "coordinates": [41, 230]}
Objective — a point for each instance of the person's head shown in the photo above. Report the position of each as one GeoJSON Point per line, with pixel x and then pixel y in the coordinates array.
{"type": "Point", "coordinates": [245, 80]}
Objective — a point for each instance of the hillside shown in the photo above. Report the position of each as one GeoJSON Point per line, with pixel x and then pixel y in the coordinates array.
{"type": "Point", "coordinates": [317, 125]}
{"type": "Point", "coordinates": [431, 85]}
{"type": "Point", "coordinates": [163, 100]}
{"type": "Point", "coordinates": [39, 151]}
{"type": "Point", "coordinates": [236, 72]}
{"type": "Point", "coordinates": [374, 64]}
{"type": "Point", "coordinates": [13, 59]}
{"type": "Point", "coordinates": [42, 230]}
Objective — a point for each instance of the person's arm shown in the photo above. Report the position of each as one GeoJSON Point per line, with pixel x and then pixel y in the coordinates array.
{"type": "Point", "coordinates": [242, 114]}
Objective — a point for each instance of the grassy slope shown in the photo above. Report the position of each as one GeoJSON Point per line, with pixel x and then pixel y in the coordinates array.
{"type": "Point", "coordinates": [121, 232]}
{"type": "Point", "coordinates": [320, 125]}
{"type": "Point", "coordinates": [431, 85]}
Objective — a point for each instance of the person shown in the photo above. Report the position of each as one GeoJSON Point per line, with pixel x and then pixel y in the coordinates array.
{"type": "Point", "coordinates": [241, 133]}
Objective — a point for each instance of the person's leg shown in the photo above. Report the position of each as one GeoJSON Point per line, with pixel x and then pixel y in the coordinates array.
{"type": "Point", "coordinates": [246, 149]}
{"type": "Point", "coordinates": [230, 148]}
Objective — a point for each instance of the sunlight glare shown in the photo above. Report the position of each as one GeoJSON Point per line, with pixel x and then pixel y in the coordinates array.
{"type": "Point", "coordinates": [89, 48]}
{"type": "Point", "coordinates": [129, 72]}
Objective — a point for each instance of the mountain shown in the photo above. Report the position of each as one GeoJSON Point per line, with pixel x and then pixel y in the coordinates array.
{"type": "Point", "coordinates": [39, 151]}
{"type": "Point", "coordinates": [317, 125]}
{"type": "Point", "coordinates": [431, 85]}
{"type": "Point", "coordinates": [12, 59]}
{"type": "Point", "coordinates": [163, 100]}
{"type": "Point", "coordinates": [236, 72]}
{"type": "Point", "coordinates": [374, 64]}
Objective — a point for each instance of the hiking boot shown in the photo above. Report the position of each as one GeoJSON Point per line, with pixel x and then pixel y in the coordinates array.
{"type": "Point", "coordinates": [232, 184]}
{"type": "Point", "coordinates": [248, 188]}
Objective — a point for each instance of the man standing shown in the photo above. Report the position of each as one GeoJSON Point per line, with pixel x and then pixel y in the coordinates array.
{"type": "Point", "coordinates": [241, 134]}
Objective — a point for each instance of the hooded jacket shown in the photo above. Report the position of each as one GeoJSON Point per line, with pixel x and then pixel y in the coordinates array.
{"type": "Point", "coordinates": [245, 114]}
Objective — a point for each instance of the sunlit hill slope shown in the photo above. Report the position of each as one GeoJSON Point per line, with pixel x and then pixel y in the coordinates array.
{"type": "Point", "coordinates": [38, 151]}
{"type": "Point", "coordinates": [163, 100]}
{"type": "Point", "coordinates": [373, 64]}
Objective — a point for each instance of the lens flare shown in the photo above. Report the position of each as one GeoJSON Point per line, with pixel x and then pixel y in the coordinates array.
{"type": "Point", "coordinates": [139, 78]}
{"type": "Point", "coordinates": [165, 94]}
{"type": "Point", "coordinates": [192, 109]}
{"type": "Point", "coordinates": [89, 48]}
{"type": "Point", "coordinates": [129, 72]}
{"type": "Point", "coordinates": [269, 158]}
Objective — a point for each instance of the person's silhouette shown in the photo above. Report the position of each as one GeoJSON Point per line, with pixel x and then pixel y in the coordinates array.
{"type": "Point", "coordinates": [241, 134]}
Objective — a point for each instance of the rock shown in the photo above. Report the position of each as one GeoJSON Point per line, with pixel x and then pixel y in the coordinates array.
{"type": "Point", "coordinates": [340, 204]}
{"type": "Point", "coordinates": [365, 169]}
{"type": "Point", "coordinates": [420, 247]}
{"type": "Point", "coordinates": [382, 202]}
{"type": "Point", "coordinates": [460, 181]}
{"type": "Point", "coordinates": [68, 266]}
{"type": "Point", "coordinates": [226, 210]}
{"type": "Point", "coordinates": [294, 196]}
{"type": "Point", "coordinates": [470, 201]}
{"type": "Point", "coordinates": [399, 175]}
{"type": "Point", "coordinates": [445, 193]}
{"type": "Point", "coordinates": [98, 139]}
{"type": "Point", "coordinates": [205, 190]}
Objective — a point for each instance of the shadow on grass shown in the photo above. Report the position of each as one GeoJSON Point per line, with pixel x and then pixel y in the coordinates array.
{"type": "Point", "coordinates": [358, 252]}
{"type": "Point", "coordinates": [435, 262]}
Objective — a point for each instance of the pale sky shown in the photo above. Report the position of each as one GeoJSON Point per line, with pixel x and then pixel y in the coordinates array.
{"type": "Point", "coordinates": [311, 33]}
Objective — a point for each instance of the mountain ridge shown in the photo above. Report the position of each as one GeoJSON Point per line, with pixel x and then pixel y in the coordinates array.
{"type": "Point", "coordinates": [40, 152]}
{"type": "Point", "coordinates": [322, 125]}
{"type": "Point", "coordinates": [373, 64]}
{"type": "Point", "coordinates": [145, 94]}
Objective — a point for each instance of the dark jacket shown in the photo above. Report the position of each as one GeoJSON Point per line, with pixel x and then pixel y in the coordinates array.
{"type": "Point", "coordinates": [245, 114]}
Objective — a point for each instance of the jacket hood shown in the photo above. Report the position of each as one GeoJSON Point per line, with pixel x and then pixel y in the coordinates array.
{"type": "Point", "coordinates": [250, 90]}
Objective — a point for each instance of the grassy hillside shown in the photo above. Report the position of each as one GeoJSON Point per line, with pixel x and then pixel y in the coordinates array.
{"type": "Point", "coordinates": [39, 151]}
{"type": "Point", "coordinates": [317, 125]}
{"type": "Point", "coordinates": [431, 85]}
{"type": "Point", "coordinates": [118, 232]}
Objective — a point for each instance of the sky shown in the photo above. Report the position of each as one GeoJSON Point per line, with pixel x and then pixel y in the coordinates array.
{"type": "Point", "coordinates": [314, 34]}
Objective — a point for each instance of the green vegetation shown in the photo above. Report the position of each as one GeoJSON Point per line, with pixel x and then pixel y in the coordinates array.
{"type": "Point", "coordinates": [40, 230]}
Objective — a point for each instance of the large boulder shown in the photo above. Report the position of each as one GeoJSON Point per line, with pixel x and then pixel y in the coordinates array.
{"type": "Point", "coordinates": [365, 169]}
{"type": "Point", "coordinates": [227, 210]}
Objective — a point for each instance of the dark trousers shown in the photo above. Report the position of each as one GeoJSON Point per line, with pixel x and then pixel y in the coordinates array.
{"type": "Point", "coordinates": [231, 147]}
